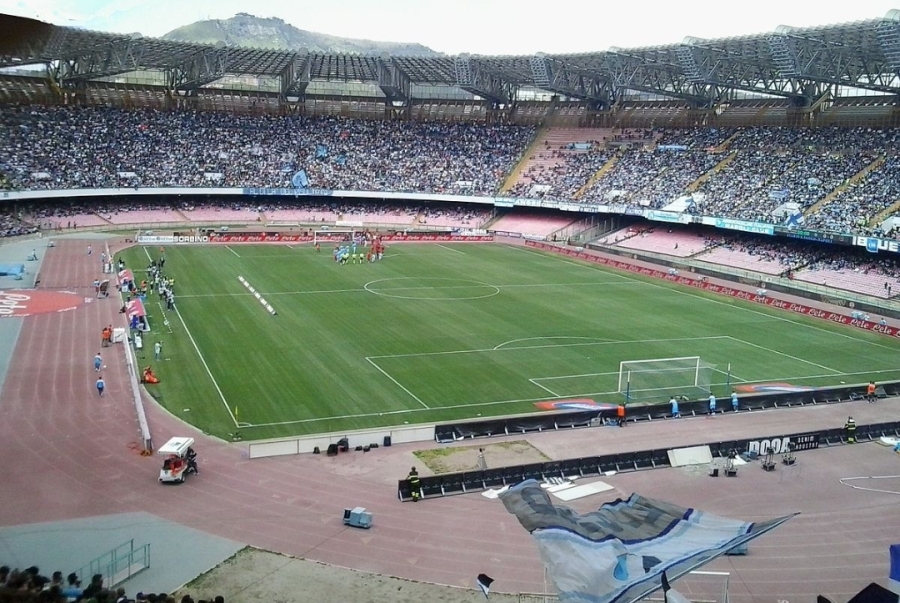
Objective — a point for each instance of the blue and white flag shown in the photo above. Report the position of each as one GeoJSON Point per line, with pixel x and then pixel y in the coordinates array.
{"type": "Point", "coordinates": [795, 219]}
{"type": "Point", "coordinates": [618, 553]}
{"type": "Point", "coordinates": [300, 180]}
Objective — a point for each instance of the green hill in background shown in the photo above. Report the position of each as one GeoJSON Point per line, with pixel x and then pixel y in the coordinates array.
{"type": "Point", "coordinates": [272, 33]}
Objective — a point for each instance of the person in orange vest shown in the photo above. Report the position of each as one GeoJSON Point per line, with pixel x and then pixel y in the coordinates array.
{"type": "Point", "coordinates": [620, 414]}
{"type": "Point", "coordinates": [870, 393]}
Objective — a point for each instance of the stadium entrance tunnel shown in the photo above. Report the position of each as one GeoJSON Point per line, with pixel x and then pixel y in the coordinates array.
{"type": "Point", "coordinates": [430, 288]}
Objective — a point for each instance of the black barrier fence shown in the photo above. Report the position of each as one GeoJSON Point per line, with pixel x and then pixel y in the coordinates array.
{"type": "Point", "coordinates": [477, 481]}
{"type": "Point", "coordinates": [555, 421]}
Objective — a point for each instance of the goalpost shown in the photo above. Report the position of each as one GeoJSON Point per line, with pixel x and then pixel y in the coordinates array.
{"type": "Point", "coordinates": [662, 378]}
{"type": "Point", "coordinates": [334, 235]}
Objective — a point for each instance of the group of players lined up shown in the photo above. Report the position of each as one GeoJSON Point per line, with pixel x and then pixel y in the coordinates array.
{"type": "Point", "coordinates": [356, 252]}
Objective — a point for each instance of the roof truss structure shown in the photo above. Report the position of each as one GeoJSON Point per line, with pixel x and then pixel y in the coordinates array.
{"type": "Point", "coordinates": [196, 70]}
{"type": "Point", "coordinates": [103, 60]}
{"type": "Point", "coordinates": [483, 77]}
{"type": "Point", "coordinates": [795, 63]}
{"type": "Point", "coordinates": [561, 77]}
{"type": "Point", "coordinates": [394, 82]}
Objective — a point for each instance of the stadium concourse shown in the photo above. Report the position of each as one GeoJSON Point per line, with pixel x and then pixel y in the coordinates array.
{"type": "Point", "coordinates": [70, 454]}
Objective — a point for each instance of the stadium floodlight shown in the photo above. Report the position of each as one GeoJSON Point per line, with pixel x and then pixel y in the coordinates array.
{"type": "Point", "coordinates": [662, 378]}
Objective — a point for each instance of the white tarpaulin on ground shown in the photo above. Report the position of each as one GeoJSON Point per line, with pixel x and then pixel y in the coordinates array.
{"type": "Point", "coordinates": [618, 553]}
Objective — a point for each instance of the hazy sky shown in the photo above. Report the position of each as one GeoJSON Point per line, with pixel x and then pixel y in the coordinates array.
{"type": "Point", "coordinates": [476, 26]}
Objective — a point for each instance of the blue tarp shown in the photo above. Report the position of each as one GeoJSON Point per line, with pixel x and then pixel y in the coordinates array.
{"type": "Point", "coordinates": [12, 269]}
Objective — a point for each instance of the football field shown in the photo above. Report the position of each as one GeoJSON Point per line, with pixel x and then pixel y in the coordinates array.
{"type": "Point", "coordinates": [440, 332]}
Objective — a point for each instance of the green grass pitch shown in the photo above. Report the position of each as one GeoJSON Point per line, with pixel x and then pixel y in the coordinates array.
{"type": "Point", "coordinates": [442, 332]}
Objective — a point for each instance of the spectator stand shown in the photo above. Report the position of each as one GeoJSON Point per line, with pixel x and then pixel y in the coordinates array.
{"type": "Point", "coordinates": [149, 149]}
{"type": "Point", "coordinates": [865, 200]}
{"type": "Point", "coordinates": [857, 278]}
{"type": "Point", "coordinates": [530, 225]}
{"type": "Point", "coordinates": [680, 242]}
{"type": "Point", "coordinates": [559, 163]}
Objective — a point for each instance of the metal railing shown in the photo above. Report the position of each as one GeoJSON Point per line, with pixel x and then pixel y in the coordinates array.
{"type": "Point", "coordinates": [117, 565]}
{"type": "Point", "coordinates": [702, 587]}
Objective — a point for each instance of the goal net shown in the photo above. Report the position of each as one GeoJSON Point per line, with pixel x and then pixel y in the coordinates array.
{"type": "Point", "coordinates": [662, 378]}
{"type": "Point", "coordinates": [333, 235]}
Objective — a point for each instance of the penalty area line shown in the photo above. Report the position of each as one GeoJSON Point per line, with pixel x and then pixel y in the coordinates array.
{"type": "Point", "coordinates": [785, 355]}
{"type": "Point", "coordinates": [232, 250]}
{"type": "Point", "coordinates": [546, 389]}
{"type": "Point", "coordinates": [397, 383]}
{"type": "Point", "coordinates": [524, 400]}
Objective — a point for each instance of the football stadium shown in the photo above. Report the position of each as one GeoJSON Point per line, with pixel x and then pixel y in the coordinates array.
{"type": "Point", "coordinates": [575, 292]}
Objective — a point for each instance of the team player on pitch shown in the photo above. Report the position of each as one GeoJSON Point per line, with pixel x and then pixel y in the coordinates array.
{"type": "Point", "coordinates": [350, 254]}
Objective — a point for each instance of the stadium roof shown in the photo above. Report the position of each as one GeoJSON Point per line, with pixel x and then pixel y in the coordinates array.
{"type": "Point", "coordinates": [801, 64]}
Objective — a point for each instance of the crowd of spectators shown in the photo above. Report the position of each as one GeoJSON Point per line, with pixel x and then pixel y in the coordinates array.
{"type": "Point", "coordinates": [695, 139]}
{"type": "Point", "coordinates": [883, 265]}
{"type": "Point", "coordinates": [791, 255]}
{"type": "Point", "coordinates": [861, 202]}
{"type": "Point", "coordinates": [775, 172]}
{"type": "Point", "coordinates": [32, 217]}
{"type": "Point", "coordinates": [568, 172]}
{"type": "Point", "coordinates": [796, 257]}
{"type": "Point", "coordinates": [651, 177]}
{"type": "Point", "coordinates": [93, 147]}
{"type": "Point", "coordinates": [30, 586]}
{"type": "Point", "coordinates": [12, 225]}
{"type": "Point", "coordinates": [758, 182]}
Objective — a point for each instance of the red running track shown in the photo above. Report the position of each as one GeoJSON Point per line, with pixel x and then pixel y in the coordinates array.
{"type": "Point", "coordinates": [69, 454]}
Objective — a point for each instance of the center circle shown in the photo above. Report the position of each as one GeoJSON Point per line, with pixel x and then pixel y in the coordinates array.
{"type": "Point", "coordinates": [431, 288]}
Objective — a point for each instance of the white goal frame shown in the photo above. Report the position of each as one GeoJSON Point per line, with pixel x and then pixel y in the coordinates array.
{"type": "Point", "coordinates": [324, 236]}
{"type": "Point", "coordinates": [625, 375]}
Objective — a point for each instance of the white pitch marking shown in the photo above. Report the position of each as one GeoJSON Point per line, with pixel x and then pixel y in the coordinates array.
{"type": "Point", "coordinates": [397, 383]}
{"type": "Point", "coordinates": [574, 376]}
{"type": "Point", "coordinates": [232, 250]}
{"type": "Point", "coordinates": [499, 402]}
{"type": "Point", "coordinates": [759, 347]}
{"type": "Point", "coordinates": [289, 246]}
{"type": "Point", "coordinates": [612, 272]}
{"type": "Point", "coordinates": [561, 345]}
{"type": "Point", "coordinates": [202, 360]}
{"type": "Point", "coordinates": [451, 249]}
{"type": "Point", "coordinates": [311, 291]}
{"type": "Point", "coordinates": [547, 389]}
{"type": "Point", "coordinates": [497, 347]}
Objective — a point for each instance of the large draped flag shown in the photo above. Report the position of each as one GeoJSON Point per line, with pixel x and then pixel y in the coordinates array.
{"type": "Point", "coordinates": [618, 553]}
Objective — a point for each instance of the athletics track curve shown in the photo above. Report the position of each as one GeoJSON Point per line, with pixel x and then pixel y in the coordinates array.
{"type": "Point", "coordinates": [68, 453]}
